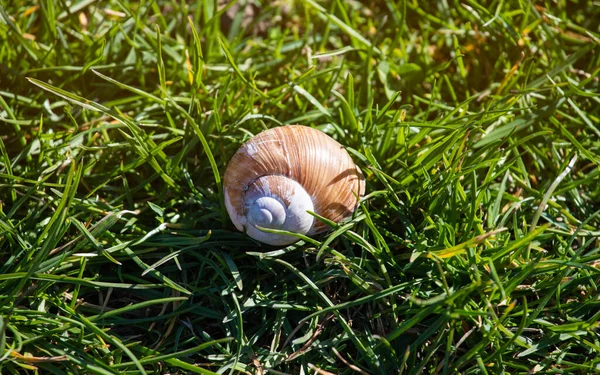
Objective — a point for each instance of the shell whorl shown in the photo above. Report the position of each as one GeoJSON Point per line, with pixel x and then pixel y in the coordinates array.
{"type": "Point", "coordinates": [281, 173]}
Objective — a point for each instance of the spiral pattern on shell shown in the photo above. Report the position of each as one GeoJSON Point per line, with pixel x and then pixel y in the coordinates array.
{"type": "Point", "coordinates": [281, 173]}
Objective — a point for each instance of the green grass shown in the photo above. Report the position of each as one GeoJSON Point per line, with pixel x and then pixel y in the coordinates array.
{"type": "Point", "coordinates": [475, 251]}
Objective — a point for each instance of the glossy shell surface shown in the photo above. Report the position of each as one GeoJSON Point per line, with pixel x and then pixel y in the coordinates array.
{"type": "Point", "coordinates": [316, 162]}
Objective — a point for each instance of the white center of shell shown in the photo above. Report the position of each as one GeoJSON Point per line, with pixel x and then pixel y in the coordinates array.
{"type": "Point", "coordinates": [267, 212]}
{"type": "Point", "coordinates": [277, 202]}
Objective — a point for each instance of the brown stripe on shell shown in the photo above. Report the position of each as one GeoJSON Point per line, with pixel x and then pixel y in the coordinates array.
{"type": "Point", "coordinates": [310, 157]}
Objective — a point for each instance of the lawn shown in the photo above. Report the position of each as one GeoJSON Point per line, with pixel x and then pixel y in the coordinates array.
{"type": "Point", "coordinates": [475, 250]}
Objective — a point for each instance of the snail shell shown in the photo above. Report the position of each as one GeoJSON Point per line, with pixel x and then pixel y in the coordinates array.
{"type": "Point", "coordinates": [281, 173]}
